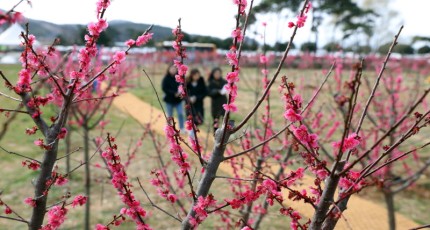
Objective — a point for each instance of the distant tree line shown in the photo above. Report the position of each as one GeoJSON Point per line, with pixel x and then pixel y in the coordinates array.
{"type": "Point", "coordinates": [111, 35]}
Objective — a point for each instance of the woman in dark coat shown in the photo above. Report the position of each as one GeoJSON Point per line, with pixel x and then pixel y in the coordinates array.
{"type": "Point", "coordinates": [217, 93]}
{"type": "Point", "coordinates": [172, 98]}
{"type": "Point", "coordinates": [197, 91]}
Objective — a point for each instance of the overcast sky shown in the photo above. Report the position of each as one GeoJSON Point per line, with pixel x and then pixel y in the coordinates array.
{"type": "Point", "coordinates": [207, 17]}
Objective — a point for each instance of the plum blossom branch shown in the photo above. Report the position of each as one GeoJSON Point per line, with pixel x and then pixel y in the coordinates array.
{"type": "Point", "coordinates": [275, 76]}
{"type": "Point", "coordinates": [10, 97]}
{"type": "Point", "coordinates": [392, 128]}
{"type": "Point", "coordinates": [286, 126]}
{"type": "Point", "coordinates": [20, 155]}
{"type": "Point", "coordinates": [372, 94]}
{"type": "Point", "coordinates": [154, 205]}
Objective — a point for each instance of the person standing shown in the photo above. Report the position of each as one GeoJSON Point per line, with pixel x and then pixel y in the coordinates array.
{"type": "Point", "coordinates": [218, 95]}
{"type": "Point", "coordinates": [197, 91]}
{"type": "Point", "coordinates": [172, 97]}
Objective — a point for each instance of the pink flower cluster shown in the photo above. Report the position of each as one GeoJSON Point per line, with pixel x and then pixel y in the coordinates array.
{"type": "Point", "coordinates": [161, 183]}
{"type": "Point", "coordinates": [10, 17]}
{"type": "Point", "coordinates": [79, 200]}
{"type": "Point", "coordinates": [24, 81]}
{"type": "Point", "coordinates": [237, 34]}
{"type": "Point", "coordinates": [180, 76]}
{"type": "Point", "coordinates": [349, 143]}
{"type": "Point", "coordinates": [295, 217]}
{"type": "Point", "coordinates": [203, 203]}
{"type": "Point", "coordinates": [39, 142]}
{"type": "Point", "coordinates": [179, 49]}
{"type": "Point", "coordinates": [141, 40]}
{"type": "Point", "coordinates": [33, 165]}
{"type": "Point", "coordinates": [349, 184]}
{"type": "Point", "coordinates": [302, 134]}
{"type": "Point", "coordinates": [102, 5]}
{"type": "Point", "coordinates": [30, 201]}
{"type": "Point", "coordinates": [56, 217]}
{"type": "Point", "coordinates": [242, 5]}
{"type": "Point", "coordinates": [232, 78]}
{"type": "Point", "coordinates": [120, 182]}
{"type": "Point", "coordinates": [301, 19]}
{"type": "Point", "coordinates": [268, 187]}
{"type": "Point", "coordinates": [31, 131]}
{"type": "Point", "coordinates": [177, 153]}
{"type": "Point", "coordinates": [118, 58]}
{"type": "Point", "coordinates": [293, 104]}
{"type": "Point", "coordinates": [90, 50]}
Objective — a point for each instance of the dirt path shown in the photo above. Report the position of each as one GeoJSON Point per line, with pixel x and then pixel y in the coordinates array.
{"type": "Point", "coordinates": [361, 214]}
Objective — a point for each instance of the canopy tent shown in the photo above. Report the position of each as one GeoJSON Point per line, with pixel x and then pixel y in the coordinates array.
{"type": "Point", "coordinates": [11, 36]}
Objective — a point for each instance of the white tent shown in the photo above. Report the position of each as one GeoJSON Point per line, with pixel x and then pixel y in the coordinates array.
{"type": "Point", "coordinates": [11, 36]}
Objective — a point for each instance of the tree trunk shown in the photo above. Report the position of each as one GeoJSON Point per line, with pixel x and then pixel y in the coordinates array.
{"type": "Point", "coordinates": [87, 177]}
{"type": "Point", "coordinates": [327, 198]}
{"type": "Point", "coordinates": [389, 200]}
{"type": "Point", "coordinates": [67, 142]}
{"type": "Point", "coordinates": [48, 162]}
{"type": "Point", "coordinates": [209, 174]}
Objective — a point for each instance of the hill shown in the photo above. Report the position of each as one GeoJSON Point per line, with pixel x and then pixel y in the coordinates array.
{"type": "Point", "coordinates": [118, 31]}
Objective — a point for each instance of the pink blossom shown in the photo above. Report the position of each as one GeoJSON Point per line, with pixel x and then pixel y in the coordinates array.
{"type": "Point", "coordinates": [235, 203]}
{"type": "Point", "coordinates": [101, 227]}
{"type": "Point", "coordinates": [143, 39]}
{"type": "Point", "coordinates": [39, 142]}
{"type": "Point", "coordinates": [7, 210]}
{"type": "Point", "coordinates": [172, 198]}
{"type": "Point", "coordinates": [24, 81]}
{"type": "Point", "coordinates": [102, 5]}
{"type": "Point", "coordinates": [60, 181]}
{"type": "Point", "coordinates": [232, 89]}
{"type": "Point", "coordinates": [33, 165]}
{"type": "Point", "coordinates": [237, 34]}
{"type": "Point", "coordinates": [30, 201]}
{"type": "Point", "coordinates": [231, 57]}
{"type": "Point", "coordinates": [119, 57]}
{"type": "Point", "coordinates": [308, 7]}
{"type": "Point", "coordinates": [349, 143]}
{"type": "Point", "coordinates": [242, 5]}
{"type": "Point", "coordinates": [301, 21]}
{"type": "Point", "coordinates": [182, 69]}
{"type": "Point", "coordinates": [62, 134]}
{"type": "Point", "coordinates": [322, 174]}
{"type": "Point", "coordinates": [270, 185]}
{"type": "Point", "coordinates": [31, 131]}
{"type": "Point", "coordinates": [291, 24]}
{"type": "Point", "coordinates": [263, 59]}
{"type": "Point", "coordinates": [230, 107]}
{"type": "Point", "coordinates": [181, 91]}
{"type": "Point", "coordinates": [292, 116]}
{"type": "Point", "coordinates": [301, 133]}
{"type": "Point", "coordinates": [130, 42]}
{"type": "Point", "coordinates": [232, 77]}
{"type": "Point", "coordinates": [31, 39]}
{"type": "Point", "coordinates": [179, 79]}
{"type": "Point", "coordinates": [56, 217]}
{"type": "Point", "coordinates": [265, 72]}
{"type": "Point", "coordinates": [79, 200]}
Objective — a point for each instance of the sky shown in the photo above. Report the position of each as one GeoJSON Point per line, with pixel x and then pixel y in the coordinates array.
{"type": "Point", "coordinates": [212, 17]}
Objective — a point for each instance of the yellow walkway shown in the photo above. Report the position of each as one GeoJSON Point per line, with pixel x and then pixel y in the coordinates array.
{"type": "Point", "coordinates": [360, 215]}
